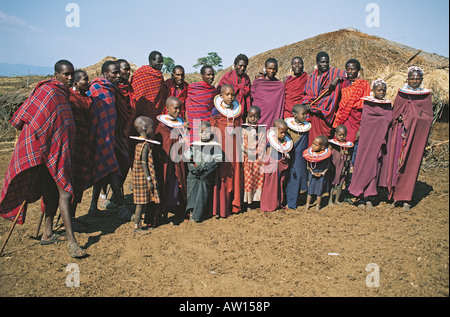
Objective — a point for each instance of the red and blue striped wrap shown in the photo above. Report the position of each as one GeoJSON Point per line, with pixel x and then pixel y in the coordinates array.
{"type": "Point", "coordinates": [102, 134]}
{"type": "Point", "coordinates": [316, 84]}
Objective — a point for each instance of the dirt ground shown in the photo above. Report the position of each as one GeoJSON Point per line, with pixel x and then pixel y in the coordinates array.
{"type": "Point", "coordinates": [286, 253]}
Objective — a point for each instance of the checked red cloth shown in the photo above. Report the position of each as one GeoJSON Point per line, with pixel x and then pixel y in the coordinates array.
{"type": "Point", "coordinates": [149, 92]}
{"type": "Point", "coordinates": [47, 137]}
{"type": "Point", "coordinates": [254, 147]}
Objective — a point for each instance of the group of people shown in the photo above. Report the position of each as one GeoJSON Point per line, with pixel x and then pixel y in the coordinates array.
{"type": "Point", "coordinates": [199, 150]}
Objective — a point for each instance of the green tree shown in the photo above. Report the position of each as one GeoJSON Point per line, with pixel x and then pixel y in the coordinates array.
{"type": "Point", "coordinates": [168, 65]}
{"type": "Point", "coordinates": [212, 59]}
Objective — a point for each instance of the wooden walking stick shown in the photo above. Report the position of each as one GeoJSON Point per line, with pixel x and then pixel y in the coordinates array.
{"type": "Point", "coordinates": [320, 97]}
{"type": "Point", "coordinates": [39, 225]}
{"type": "Point", "coordinates": [20, 210]}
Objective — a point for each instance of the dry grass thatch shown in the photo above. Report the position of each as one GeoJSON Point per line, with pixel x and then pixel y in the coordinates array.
{"type": "Point", "coordinates": [94, 71]}
{"type": "Point", "coordinates": [379, 58]}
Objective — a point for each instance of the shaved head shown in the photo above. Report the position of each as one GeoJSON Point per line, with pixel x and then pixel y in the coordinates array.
{"type": "Point", "coordinates": [280, 123]}
{"type": "Point", "coordinates": [173, 100]}
{"type": "Point", "coordinates": [299, 108]}
{"type": "Point", "coordinates": [255, 110]}
{"type": "Point", "coordinates": [225, 87]}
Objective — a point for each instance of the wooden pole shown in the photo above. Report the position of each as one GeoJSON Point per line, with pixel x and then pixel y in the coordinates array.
{"type": "Point", "coordinates": [12, 227]}
{"type": "Point", "coordinates": [320, 97]}
{"type": "Point", "coordinates": [20, 210]}
{"type": "Point", "coordinates": [39, 225]}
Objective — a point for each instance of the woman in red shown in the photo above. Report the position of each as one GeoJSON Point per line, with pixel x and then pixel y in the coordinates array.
{"type": "Point", "coordinates": [412, 115]}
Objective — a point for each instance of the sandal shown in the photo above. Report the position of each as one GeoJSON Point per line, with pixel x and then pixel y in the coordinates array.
{"type": "Point", "coordinates": [75, 251]}
{"type": "Point", "coordinates": [54, 238]}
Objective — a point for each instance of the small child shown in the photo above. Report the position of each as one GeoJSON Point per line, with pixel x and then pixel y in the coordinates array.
{"type": "Point", "coordinates": [276, 166]}
{"type": "Point", "coordinates": [145, 185]}
{"type": "Point", "coordinates": [318, 164]}
{"type": "Point", "coordinates": [299, 132]}
{"type": "Point", "coordinates": [341, 154]}
{"type": "Point", "coordinates": [226, 116]}
{"type": "Point", "coordinates": [253, 148]}
{"type": "Point", "coordinates": [203, 158]}
{"type": "Point", "coordinates": [171, 169]}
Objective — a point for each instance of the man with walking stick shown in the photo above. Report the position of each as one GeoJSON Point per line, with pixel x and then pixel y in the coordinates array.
{"type": "Point", "coordinates": [41, 164]}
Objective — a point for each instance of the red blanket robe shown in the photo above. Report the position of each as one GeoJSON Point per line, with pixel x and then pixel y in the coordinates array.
{"type": "Point", "coordinates": [241, 87]}
{"type": "Point", "coordinates": [276, 169]}
{"type": "Point", "coordinates": [171, 174]}
{"type": "Point", "coordinates": [406, 143]}
{"type": "Point", "coordinates": [351, 106]}
{"type": "Point", "coordinates": [199, 105]}
{"type": "Point", "coordinates": [124, 123]}
{"type": "Point", "coordinates": [149, 92]}
{"type": "Point", "coordinates": [269, 96]}
{"type": "Point", "coordinates": [375, 121]}
{"type": "Point", "coordinates": [172, 91]}
{"type": "Point", "coordinates": [228, 188]}
{"type": "Point", "coordinates": [47, 138]}
{"type": "Point", "coordinates": [81, 109]}
{"type": "Point", "coordinates": [294, 92]}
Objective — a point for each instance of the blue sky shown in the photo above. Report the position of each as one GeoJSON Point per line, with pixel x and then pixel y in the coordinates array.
{"type": "Point", "coordinates": [35, 32]}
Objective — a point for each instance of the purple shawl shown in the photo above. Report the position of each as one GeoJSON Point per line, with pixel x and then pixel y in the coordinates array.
{"type": "Point", "coordinates": [372, 136]}
{"type": "Point", "coordinates": [269, 96]}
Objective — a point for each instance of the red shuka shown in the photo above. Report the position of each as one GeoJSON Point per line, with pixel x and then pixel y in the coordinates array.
{"type": "Point", "coordinates": [149, 92]}
{"type": "Point", "coordinates": [47, 138]}
{"type": "Point", "coordinates": [294, 92]}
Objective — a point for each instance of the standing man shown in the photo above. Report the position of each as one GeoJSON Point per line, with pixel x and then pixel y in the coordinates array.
{"type": "Point", "coordinates": [268, 94]}
{"type": "Point", "coordinates": [149, 90]}
{"type": "Point", "coordinates": [105, 169]}
{"type": "Point", "coordinates": [125, 115]}
{"type": "Point", "coordinates": [294, 86]}
{"type": "Point", "coordinates": [178, 87]}
{"type": "Point", "coordinates": [240, 82]}
{"type": "Point", "coordinates": [41, 164]}
{"type": "Point", "coordinates": [324, 80]}
{"type": "Point", "coordinates": [200, 100]}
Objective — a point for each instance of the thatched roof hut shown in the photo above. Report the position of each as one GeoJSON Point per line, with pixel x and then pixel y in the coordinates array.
{"type": "Point", "coordinates": [379, 58]}
{"type": "Point", "coordinates": [95, 70]}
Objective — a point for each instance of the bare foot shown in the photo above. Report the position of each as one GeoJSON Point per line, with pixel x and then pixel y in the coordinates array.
{"type": "Point", "coordinates": [369, 205]}
{"type": "Point", "coordinates": [406, 207]}
{"type": "Point", "coordinates": [307, 206]}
